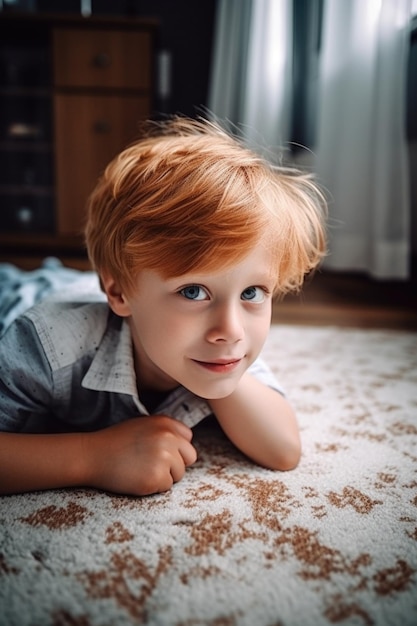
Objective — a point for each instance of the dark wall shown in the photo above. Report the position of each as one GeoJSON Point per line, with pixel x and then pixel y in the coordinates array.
{"type": "Point", "coordinates": [186, 32]}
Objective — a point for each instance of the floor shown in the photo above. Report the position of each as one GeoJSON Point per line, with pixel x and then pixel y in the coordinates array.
{"type": "Point", "coordinates": [350, 300]}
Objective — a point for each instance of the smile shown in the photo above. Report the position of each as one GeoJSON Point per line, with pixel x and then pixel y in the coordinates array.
{"type": "Point", "coordinates": [220, 366]}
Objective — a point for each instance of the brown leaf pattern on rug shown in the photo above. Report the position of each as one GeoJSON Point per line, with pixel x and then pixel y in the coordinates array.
{"type": "Point", "coordinates": [233, 544]}
{"type": "Point", "coordinates": [57, 518]}
{"type": "Point", "coordinates": [129, 581]}
{"type": "Point", "coordinates": [350, 496]}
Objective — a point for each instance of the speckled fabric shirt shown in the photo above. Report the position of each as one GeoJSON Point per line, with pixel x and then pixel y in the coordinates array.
{"type": "Point", "coordinates": [67, 366]}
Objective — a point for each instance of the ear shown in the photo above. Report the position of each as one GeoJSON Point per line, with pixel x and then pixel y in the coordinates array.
{"type": "Point", "coordinates": [115, 296]}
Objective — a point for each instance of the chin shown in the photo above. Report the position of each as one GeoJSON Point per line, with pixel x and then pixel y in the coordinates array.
{"type": "Point", "coordinates": [218, 394]}
{"type": "Point", "coordinates": [212, 389]}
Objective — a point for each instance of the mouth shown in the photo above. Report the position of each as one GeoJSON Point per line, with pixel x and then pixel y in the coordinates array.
{"type": "Point", "coordinates": [219, 366]}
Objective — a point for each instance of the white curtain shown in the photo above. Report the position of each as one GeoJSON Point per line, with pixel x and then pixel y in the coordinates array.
{"type": "Point", "coordinates": [361, 148]}
{"type": "Point", "coordinates": [251, 71]}
{"type": "Point", "coordinates": [361, 152]}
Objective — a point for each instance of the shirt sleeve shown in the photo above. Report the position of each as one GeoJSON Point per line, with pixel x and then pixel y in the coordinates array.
{"type": "Point", "coordinates": [26, 384]}
{"type": "Point", "coordinates": [260, 370]}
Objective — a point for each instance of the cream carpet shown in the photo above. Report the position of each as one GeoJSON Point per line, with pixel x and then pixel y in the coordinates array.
{"type": "Point", "coordinates": [332, 542]}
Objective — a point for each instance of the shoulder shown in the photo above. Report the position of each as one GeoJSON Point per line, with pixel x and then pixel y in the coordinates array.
{"type": "Point", "coordinates": [67, 312]}
{"type": "Point", "coordinates": [68, 330]}
{"type": "Point", "coordinates": [260, 370]}
{"type": "Point", "coordinates": [70, 316]}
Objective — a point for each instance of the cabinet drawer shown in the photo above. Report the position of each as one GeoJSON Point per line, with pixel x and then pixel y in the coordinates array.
{"type": "Point", "coordinates": [103, 58]}
{"type": "Point", "coordinates": [90, 131]}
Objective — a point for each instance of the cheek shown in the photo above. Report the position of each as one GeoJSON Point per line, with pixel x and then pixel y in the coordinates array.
{"type": "Point", "coordinates": [168, 332]}
{"type": "Point", "coordinates": [260, 329]}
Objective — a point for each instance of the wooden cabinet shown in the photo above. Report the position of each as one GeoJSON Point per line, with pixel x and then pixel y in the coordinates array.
{"type": "Point", "coordinates": [90, 130]}
{"type": "Point", "coordinates": [72, 93]}
{"type": "Point", "coordinates": [102, 83]}
{"type": "Point", "coordinates": [102, 58]}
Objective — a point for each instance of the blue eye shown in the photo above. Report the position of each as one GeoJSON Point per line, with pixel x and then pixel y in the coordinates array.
{"type": "Point", "coordinates": [194, 292]}
{"type": "Point", "coordinates": [253, 294]}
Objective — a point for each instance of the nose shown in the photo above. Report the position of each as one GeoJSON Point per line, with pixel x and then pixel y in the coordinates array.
{"type": "Point", "coordinates": [225, 324]}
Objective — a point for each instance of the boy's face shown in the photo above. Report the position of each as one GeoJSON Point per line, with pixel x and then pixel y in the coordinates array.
{"type": "Point", "coordinates": [200, 330]}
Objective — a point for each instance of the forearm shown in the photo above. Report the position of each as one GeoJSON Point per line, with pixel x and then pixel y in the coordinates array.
{"type": "Point", "coordinates": [138, 456]}
{"type": "Point", "coordinates": [36, 462]}
{"type": "Point", "coordinates": [261, 423]}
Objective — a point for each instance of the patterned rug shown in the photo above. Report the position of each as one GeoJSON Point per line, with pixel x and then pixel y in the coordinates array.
{"type": "Point", "coordinates": [332, 542]}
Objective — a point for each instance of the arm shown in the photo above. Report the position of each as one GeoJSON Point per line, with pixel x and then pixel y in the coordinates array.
{"type": "Point", "coordinates": [140, 456]}
{"type": "Point", "coordinates": [261, 423]}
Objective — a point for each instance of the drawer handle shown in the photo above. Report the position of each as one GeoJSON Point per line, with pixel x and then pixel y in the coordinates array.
{"type": "Point", "coordinates": [102, 60]}
{"type": "Point", "coordinates": [102, 127]}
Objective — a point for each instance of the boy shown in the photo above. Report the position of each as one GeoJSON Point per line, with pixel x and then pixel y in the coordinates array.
{"type": "Point", "coordinates": [191, 234]}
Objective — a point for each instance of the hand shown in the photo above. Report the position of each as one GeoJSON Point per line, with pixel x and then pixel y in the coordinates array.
{"type": "Point", "coordinates": [139, 457]}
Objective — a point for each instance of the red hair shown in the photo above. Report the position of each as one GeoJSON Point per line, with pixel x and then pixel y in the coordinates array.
{"type": "Point", "coordinates": [189, 196]}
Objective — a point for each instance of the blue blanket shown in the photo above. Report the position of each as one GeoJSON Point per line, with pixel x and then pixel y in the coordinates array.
{"type": "Point", "coordinates": [20, 289]}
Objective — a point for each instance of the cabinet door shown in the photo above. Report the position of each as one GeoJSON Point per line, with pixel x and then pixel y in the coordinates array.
{"type": "Point", "coordinates": [89, 132]}
{"type": "Point", "coordinates": [104, 58]}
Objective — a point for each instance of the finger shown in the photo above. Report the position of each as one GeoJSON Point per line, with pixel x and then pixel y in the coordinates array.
{"type": "Point", "coordinates": [160, 479]}
{"type": "Point", "coordinates": [177, 468]}
{"type": "Point", "coordinates": [188, 453]}
{"type": "Point", "coordinates": [180, 429]}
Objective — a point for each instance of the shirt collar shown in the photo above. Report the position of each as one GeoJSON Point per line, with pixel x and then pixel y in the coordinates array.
{"type": "Point", "coordinates": [112, 368]}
